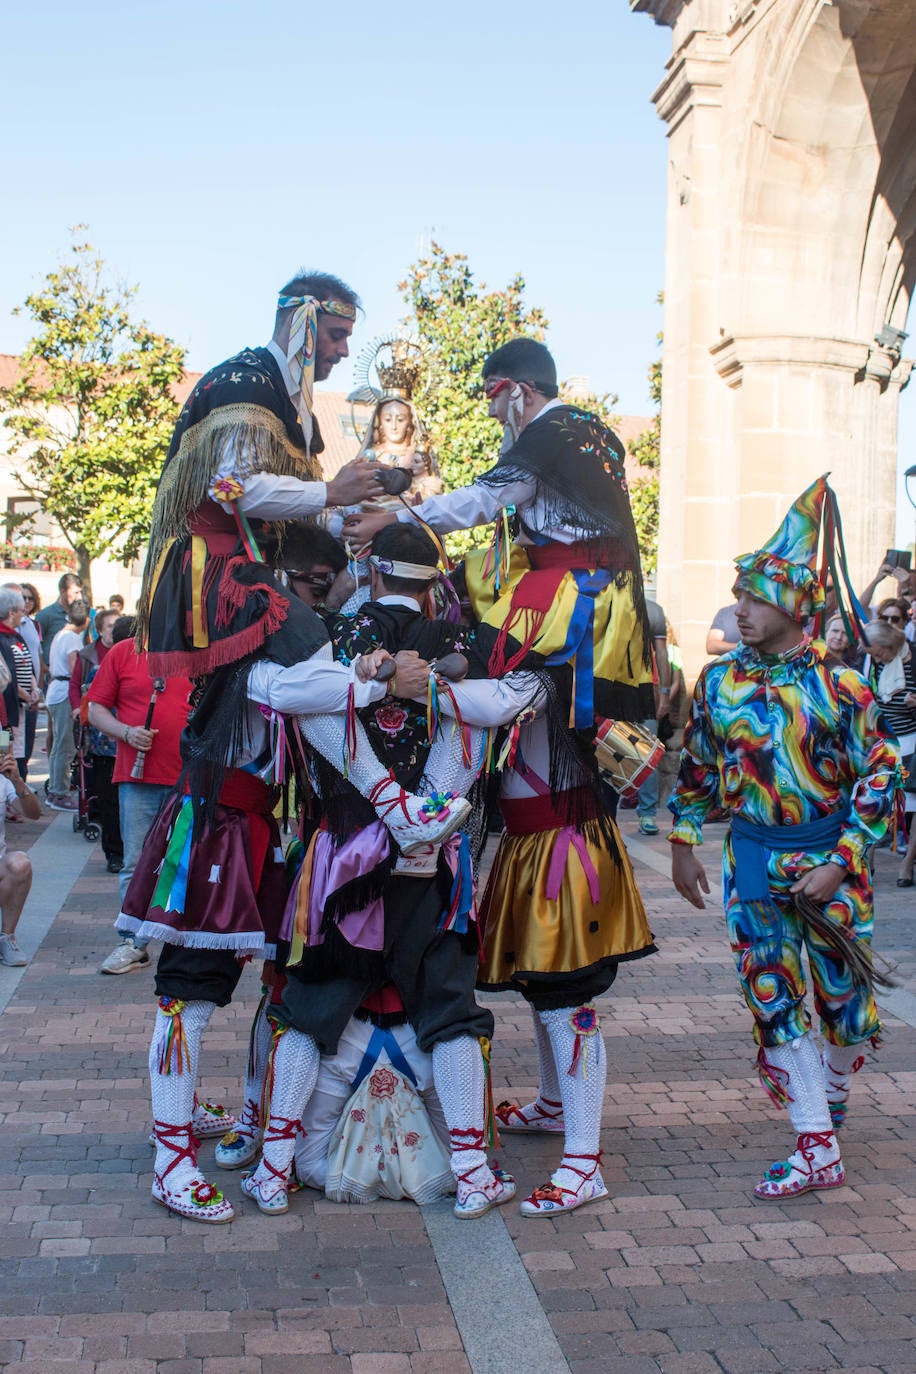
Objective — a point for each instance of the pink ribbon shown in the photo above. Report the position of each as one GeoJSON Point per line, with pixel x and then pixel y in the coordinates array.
{"type": "Point", "coordinates": [567, 837]}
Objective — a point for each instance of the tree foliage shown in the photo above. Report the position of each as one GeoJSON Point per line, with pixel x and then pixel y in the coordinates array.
{"type": "Point", "coordinates": [92, 413]}
{"type": "Point", "coordinates": [644, 490]}
{"type": "Point", "coordinates": [458, 323]}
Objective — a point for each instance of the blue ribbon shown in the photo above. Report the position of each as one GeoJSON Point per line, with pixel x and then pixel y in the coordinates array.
{"type": "Point", "coordinates": [382, 1039]}
{"type": "Point", "coordinates": [461, 897]}
{"type": "Point", "coordinates": [580, 643]}
{"type": "Point", "coordinates": [751, 843]}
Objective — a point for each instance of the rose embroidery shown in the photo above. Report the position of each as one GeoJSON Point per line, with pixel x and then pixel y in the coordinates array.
{"type": "Point", "coordinates": [411, 1138]}
{"type": "Point", "coordinates": [357, 1114]}
{"type": "Point", "coordinates": [391, 719]}
{"type": "Point", "coordinates": [383, 1083]}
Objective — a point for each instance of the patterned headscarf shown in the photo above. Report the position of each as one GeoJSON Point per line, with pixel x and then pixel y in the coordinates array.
{"type": "Point", "coordinates": [300, 351]}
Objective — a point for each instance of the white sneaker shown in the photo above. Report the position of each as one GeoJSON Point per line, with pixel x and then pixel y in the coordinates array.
{"type": "Point", "coordinates": [10, 953]}
{"type": "Point", "coordinates": [125, 959]}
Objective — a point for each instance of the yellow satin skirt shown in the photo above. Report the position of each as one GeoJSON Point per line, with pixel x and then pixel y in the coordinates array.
{"type": "Point", "coordinates": [539, 914]}
{"type": "Point", "coordinates": [617, 630]}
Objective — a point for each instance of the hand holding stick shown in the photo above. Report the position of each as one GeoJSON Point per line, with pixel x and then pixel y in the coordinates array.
{"type": "Point", "coordinates": [136, 772]}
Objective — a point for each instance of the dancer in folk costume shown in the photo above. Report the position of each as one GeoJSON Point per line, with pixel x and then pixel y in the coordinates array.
{"type": "Point", "coordinates": [564, 599]}
{"type": "Point", "coordinates": [360, 918]}
{"type": "Point", "coordinates": [794, 746]}
{"type": "Point", "coordinates": [211, 882]}
{"type": "Point", "coordinates": [244, 457]}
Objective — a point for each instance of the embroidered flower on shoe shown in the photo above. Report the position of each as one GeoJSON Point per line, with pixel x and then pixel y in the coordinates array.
{"type": "Point", "coordinates": [204, 1193]}
{"type": "Point", "coordinates": [547, 1192]}
{"type": "Point", "coordinates": [383, 1083]}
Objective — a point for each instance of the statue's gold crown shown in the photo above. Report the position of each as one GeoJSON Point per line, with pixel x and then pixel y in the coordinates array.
{"type": "Point", "coordinates": [399, 372]}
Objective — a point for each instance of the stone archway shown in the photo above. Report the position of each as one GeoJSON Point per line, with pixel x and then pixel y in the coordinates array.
{"type": "Point", "coordinates": [791, 256]}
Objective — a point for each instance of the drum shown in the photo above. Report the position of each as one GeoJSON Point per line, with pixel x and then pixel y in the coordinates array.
{"type": "Point", "coordinates": [627, 755]}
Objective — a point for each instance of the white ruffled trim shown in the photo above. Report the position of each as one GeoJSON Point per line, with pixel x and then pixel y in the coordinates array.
{"type": "Point", "coordinates": [243, 943]}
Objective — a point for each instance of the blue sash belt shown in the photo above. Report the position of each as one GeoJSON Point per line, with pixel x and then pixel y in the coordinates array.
{"type": "Point", "coordinates": [751, 843]}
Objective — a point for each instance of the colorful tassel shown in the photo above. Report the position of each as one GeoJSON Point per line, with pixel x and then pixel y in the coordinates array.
{"type": "Point", "coordinates": [267, 1086]}
{"type": "Point", "coordinates": [174, 1042]}
{"type": "Point", "coordinates": [246, 534]}
{"type": "Point", "coordinates": [584, 1021]}
{"type": "Point", "coordinates": [463, 731]}
{"type": "Point", "coordinates": [252, 1034]}
{"type": "Point", "coordinates": [350, 732]}
{"type": "Point", "coordinates": [490, 1127]}
{"type": "Point", "coordinates": [433, 717]}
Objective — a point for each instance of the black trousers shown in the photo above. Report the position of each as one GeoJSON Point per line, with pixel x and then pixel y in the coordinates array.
{"type": "Point", "coordinates": [433, 970]}
{"type": "Point", "coordinates": [197, 975]}
{"type": "Point", "coordinates": [105, 803]}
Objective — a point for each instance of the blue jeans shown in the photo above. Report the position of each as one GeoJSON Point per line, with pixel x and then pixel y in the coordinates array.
{"type": "Point", "coordinates": [647, 797]}
{"type": "Point", "coordinates": [138, 803]}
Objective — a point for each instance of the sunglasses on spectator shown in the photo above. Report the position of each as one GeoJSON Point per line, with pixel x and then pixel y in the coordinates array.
{"type": "Point", "coordinates": [892, 619]}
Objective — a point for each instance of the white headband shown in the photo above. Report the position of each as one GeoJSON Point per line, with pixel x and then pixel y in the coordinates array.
{"type": "Point", "coordinates": [414, 572]}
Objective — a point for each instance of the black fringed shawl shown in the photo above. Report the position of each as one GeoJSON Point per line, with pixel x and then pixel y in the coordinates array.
{"type": "Point", "coordinates": [245, 400]}
{"type": "Point", "coordinates": [576, 464]}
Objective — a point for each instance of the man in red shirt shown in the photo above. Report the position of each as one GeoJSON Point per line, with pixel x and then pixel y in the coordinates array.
{"type": "Point", "coordinates": [119, 702]}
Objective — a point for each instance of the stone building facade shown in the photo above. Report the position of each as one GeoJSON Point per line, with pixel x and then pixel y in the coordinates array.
{"type": "Point", "coordinates": [789, 269]}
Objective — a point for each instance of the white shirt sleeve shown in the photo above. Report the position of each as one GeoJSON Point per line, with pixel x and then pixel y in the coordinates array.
{"type": "Point", "coordinates": [477, 504]}
{"type": "Point", "coordinates": [486, 703]}
{"type": "Point", "coordinates": [269, 497]}
{"type": "Point", "coordinates": [317, 686]}
{"type": "Point", "coordinates": [266, 495]}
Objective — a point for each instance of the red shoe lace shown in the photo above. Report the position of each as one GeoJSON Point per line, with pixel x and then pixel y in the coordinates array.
{"type": "Point", "coordinates": [279, 1128]}
{"type": "Point", "coordinates": [387, 807]}
{"type": "Point", "coordinates": [250, 1116]}
{"type": "Point", "coordinates": [163, 1131]}
{"type": "Point", "coordinates": [476, 1141]}
{"type": "Point", "coordinates": [812, 1140]}
{"type": "Point", "coordinates": [506, 1110]}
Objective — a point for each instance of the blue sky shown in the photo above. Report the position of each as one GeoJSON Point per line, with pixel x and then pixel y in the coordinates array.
{"type": "Point", "coordinates": [213, 149]}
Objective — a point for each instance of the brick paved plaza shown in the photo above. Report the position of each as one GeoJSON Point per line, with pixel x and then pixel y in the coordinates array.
{"type": "Point", "coordinates": [679, 1271]}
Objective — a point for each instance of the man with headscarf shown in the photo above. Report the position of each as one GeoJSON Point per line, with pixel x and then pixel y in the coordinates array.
{"type": "Point", "coordinates": [242, 458]}
{"type": "Point", "coordinates": [794, 746]}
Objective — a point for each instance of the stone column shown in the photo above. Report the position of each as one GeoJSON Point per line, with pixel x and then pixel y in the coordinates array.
{"type": "Point", "coordinates": [787, 180]}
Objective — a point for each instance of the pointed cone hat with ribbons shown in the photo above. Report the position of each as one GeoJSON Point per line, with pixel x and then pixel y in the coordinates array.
{"type": "Point", "coordinates": [784, 571]}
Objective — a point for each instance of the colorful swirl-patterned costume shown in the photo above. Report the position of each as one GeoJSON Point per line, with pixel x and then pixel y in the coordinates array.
{"type": "Point", "coordinates": [788, 741]}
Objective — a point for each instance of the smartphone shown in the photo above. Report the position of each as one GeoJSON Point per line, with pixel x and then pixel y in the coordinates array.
{"type": "Point", "coordinates": [898, 558]}
{"type": "Point", "coordinates": [5, 738]}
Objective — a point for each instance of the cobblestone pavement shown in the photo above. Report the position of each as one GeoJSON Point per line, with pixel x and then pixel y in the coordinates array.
{"type": "Point", "coordinates": [680, 1270]}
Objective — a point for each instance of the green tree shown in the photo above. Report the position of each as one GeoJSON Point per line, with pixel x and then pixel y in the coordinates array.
{"type": "Point", "coordinates": [458, 323]}
{"type": "Point", "coordinates": [644, 490]}
{"type": "Point", "coordinates": [92, 413]}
